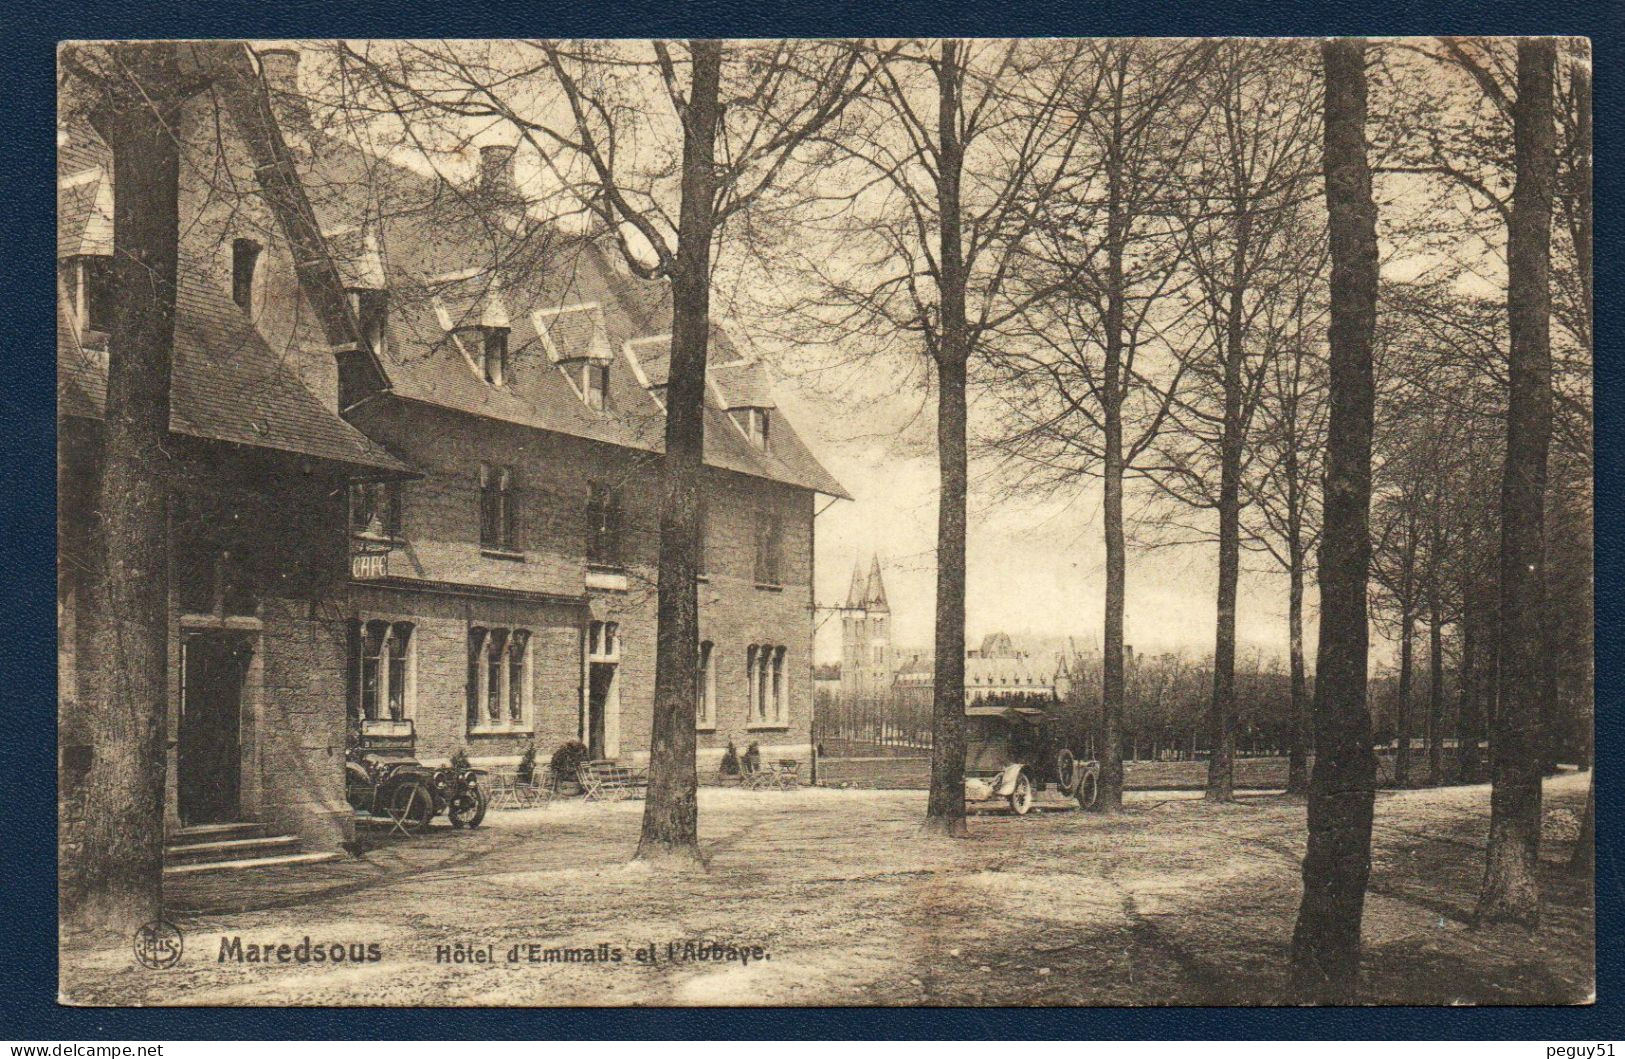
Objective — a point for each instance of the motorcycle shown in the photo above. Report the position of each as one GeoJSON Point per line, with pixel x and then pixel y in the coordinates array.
{"type": "Point", "coordinates": [383, 778]}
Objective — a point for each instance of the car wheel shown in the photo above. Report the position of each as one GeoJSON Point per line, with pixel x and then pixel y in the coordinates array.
{"type": "Point", "coordinates": [1066, 771]}
{"type": "Point", "coordinates": [1089, 790]}
{"type": "Point", "coordinates": [1021, 800]}
{"type": "Point", "coordinates": [468, 810]}
{"type": "Point", "coordinates": [412, 804]}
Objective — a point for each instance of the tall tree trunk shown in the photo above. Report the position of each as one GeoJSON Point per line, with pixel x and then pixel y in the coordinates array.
{"type": "Point", "coordinates": [1112, 681]}
{"type": "Point", "coordinates": [670, 813]}
{"type": "Point", "coordinates": [1326, 940]}
{"type": "Point", "coordinates": [1402, 704]}
{"type": "Point", "coordinates": [118, 882]}
{"type": "Point", "coordinates": [945, 806]}
{"type": "Point", "coordinates": [1435, 688]}
{"type": "Point", "coordinates": [1222, 712]}
{"type": "Point", "coordinates": [1297, 777]}
{"type": "Point", "coordinates": [1470, 692]}
{"type": "Point", "coordinates": [1511, 884]}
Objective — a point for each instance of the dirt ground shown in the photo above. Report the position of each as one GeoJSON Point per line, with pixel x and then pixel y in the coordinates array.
{"type": "Point", "coordinates": [1173, 902]}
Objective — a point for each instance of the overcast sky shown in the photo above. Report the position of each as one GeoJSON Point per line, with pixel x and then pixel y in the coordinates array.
{"type": "Point", "coordinates": [1034, 568]}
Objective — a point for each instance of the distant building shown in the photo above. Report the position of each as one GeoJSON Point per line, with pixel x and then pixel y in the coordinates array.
{"type": "Point", "coordinates": [994, 669]}
{"type": "Point", "coordinates": [868, 664]}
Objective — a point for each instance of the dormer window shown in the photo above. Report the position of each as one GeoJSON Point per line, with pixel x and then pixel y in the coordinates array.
{"type": "Point", "coordinates": [756, 425]}
{"type": "Point", "coordinates": [245, 255]}
{"type": "Point", "coordinates": [371, 308]}
{"type": "Point", "coordinates": [93, 292]}
{"type": "Point", "coordinates": [595, 385]}
{"type": "Point", "coordinates": [487, 347]}
{"type": "Point", "coordinates": [576, 339]}
{"type": "Point", "coordinates": [495, 344]}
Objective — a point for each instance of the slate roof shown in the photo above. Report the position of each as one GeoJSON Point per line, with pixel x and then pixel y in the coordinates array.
{"type": "Point", "coordinates": [445, 262]}
{"type": "Point", "coordinates": [227, 383]}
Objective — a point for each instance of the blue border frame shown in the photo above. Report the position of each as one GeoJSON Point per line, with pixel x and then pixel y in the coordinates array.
{"type": "Point", "coordinates": [28, 1009]}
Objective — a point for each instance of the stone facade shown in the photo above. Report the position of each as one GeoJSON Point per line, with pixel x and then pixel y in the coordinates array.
{"type": "Point", "coordinates": [280, 501]}
{"type": "Point", "coordinates": [441, 580]}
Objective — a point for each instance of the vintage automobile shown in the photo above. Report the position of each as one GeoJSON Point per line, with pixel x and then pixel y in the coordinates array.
{"type": "Point", "coordinates": [1012, 754]}
{"type": "Point", "coordinates": [383, 778]}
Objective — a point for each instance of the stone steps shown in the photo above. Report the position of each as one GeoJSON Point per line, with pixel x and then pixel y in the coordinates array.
{"type": "Point", "coordinates": [236, 846]}
{"type": "Point", "coordinates": [251, 862]}
{"type": "Point", "coordinates": [231, 849]}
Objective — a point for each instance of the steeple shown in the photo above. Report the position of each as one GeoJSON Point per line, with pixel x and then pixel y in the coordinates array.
{"type": "Point", "coordinates": [855, 595]}
{"type": "Point", "coordinates": [874, 595]}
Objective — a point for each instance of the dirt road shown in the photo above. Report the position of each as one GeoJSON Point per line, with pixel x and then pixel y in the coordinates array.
{"type": "Point", "coordinates": [1173, 902]}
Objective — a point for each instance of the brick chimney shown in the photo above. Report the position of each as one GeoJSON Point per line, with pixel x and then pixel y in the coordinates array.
{"type": "Point", "coordinates": [279, 67]}
{"type": "Point", "coordinates": [496, 171]}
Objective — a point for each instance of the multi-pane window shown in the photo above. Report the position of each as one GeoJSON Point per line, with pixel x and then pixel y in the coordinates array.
{"type": "Point", "coordinates": [767, 686]}
{"type": "Point", "coordinates": [498, 678]}
{"type": "Point", "coordinates": [603, 525]}
{"type": "Point", "coordinates": [705, 689]}
{"type": "Point", "coordinates": [604, 641]}
{"type": "Point", "coordinates": [375, 509]}
{"type": "Point", "coordinates": [769, 548]}
{"type": "Point", "coordinates": [498, 509]}
{"type": "Point", "coordinates": [245, 255]}
{"type": "Point", "coordinates": [381, 674]}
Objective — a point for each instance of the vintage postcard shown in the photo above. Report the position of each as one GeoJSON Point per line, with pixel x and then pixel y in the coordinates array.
{"type": "Point", "coordinates": [825, 522]}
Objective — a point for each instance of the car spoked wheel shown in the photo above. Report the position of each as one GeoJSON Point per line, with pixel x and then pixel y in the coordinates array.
{"type": "Point", "coordinates": [1089, 790]}
{"type": "Point", "coordinates": [1066, 772]}
{"type": "Point", "coordinates": [1021, 799]}
{"type": "Point", "coordinates": [411, 805]}
{"type": "Point", "coordinates": [468, 808]}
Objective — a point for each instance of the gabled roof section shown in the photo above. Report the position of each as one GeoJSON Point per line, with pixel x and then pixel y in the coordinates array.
{"type": "Point", "coordinates": [574, 332]}
{"type": "Point", "coordinates": [227, 384]}
{"type": "Point", "coordinates": [565, 299]}
{"type": "Point", "coordinates": [743, 384]}
{"type": "Point", "coordinates": [84, 214]}
{"type": "Point", "coordinates": [356, 256]}
{"type": "Point", "coordinates": [650, 358]}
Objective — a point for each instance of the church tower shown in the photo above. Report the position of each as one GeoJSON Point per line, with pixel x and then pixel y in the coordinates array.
{"type": "Point", "coordinates": [867, 664]}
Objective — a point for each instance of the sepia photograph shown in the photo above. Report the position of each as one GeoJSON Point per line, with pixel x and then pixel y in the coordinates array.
{"type": "Point", "coordinates": [1031, 522]}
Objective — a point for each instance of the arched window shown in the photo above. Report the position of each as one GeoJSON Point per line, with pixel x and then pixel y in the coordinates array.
{"type": "Point", "coordinates": [381, 668]}
{"type": "Point", "coordinates": [780, 707]}
{"type": "Point", "coordinates": [518, 660]}
{"type": "Point", "coordinates": [499, 679]}
{"type": "Point", "coordinates": [751, 708]}
{"type": "Point", "coordinates": [705, 691]}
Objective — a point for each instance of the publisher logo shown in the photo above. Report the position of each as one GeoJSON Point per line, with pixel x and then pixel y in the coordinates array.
{"type": "Point", "coordinates": [158, 945]}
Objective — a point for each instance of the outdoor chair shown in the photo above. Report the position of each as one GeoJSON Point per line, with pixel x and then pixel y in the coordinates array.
{"type": "Point", "coordinates": [504, 791]}
{"type": "Point", "coordinates": [610, 781]}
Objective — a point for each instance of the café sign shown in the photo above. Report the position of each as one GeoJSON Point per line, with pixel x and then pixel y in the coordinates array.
{"type": "Point", "coordinates": [369, 565]}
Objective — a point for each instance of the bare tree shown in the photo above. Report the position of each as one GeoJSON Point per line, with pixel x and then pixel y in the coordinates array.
{"type": "Point", "coordinates": [1246, 197]}
{"type": "Point", "coordinates": [1285, 494]}
{"type": "Point", "coordinates": [132, 95]}
{"type": "Point", "coordinates": [1399, 514]}
{"type": "Point", "coordinates": [1090, 384]}
{"type": "Point", "coordinates": [1326, 940]}
{"type": "Point", "coordinates": [1511, 880]}
{"type": "Point", "coordinates": [661, 146]}
{"type": "Point", "coordinates": [925, 218]}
